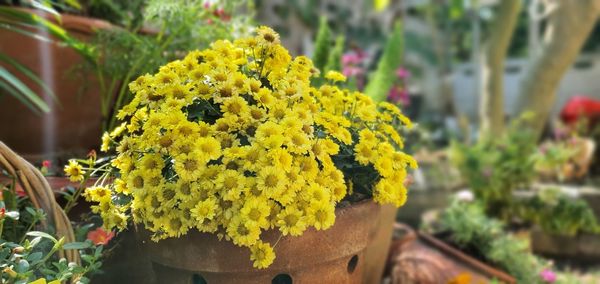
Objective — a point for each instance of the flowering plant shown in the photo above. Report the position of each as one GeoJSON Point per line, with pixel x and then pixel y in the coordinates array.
{"type": "Point", "coordinates": [234, 140]}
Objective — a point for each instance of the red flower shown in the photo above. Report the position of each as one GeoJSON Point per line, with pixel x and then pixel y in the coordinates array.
{"type": "Point", "coordinates": [20, 192]}
{"type": "Point", "coordinates": [46, 164]}
{"type": "Point", "coordinates": [100, 236]}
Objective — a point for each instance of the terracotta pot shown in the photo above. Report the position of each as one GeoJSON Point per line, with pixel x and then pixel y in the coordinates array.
{"type": "Point", "coordinates": [583, 248]}
{"type": "Point", "coordinates": [377, 250]}
{"type": "Point", "coordinates": [73, 126]}
{"type": "Point", "coordinates": [335, 255]}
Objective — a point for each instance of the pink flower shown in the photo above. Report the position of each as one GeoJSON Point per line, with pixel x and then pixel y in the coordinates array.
{"type": "Point", "coordinates": [100, 236]}
{"type": "Point", "coordinates": [350, 58]}
{"type": "Point", "coordinates": [46, 164]}
{"type": "Point", "coordinates": [355, 57]}
{"type": "Point", "coordinates": [548, 275]}
{"type": "Point", "coordinates": [402, 73]}
{"type": "Point", "coordinates": [352, 71]}
{"type": "Point", "coordinates": [398, 95]}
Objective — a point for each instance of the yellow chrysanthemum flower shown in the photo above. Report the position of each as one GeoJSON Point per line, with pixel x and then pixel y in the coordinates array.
{"type": "Point", "coordinates": [335, 76]}
{"type": "Point", "coordinates": [74, 171]}
{"type": "Point", "coordinates": [291, 221]}
{"type": "Point", "coordinates": [262, 254]}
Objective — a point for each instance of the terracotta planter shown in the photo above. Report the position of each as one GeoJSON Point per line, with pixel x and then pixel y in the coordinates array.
{"type": "Point", "coordinates": [377, 250]}
{"type": "Point", "coordinates": [73, 126]}
{"type": "Point", "coordinates": [582, 248]}
{"type": "Point", "coordinates": [336, 255]}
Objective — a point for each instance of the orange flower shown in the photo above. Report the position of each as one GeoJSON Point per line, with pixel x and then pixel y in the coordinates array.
{"type": "Point", "coordinates": [100, 236]}
{"type": "Point", "coordinates": [462, 278]}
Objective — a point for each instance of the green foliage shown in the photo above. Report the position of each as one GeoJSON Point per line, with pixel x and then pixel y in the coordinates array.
{"type": "Point", "coordinates": [27, 255]}
{"type": "Point", "coordinates": [322, 45]}
{"type": "Point", "coordinates": [127, 14]}
{"type": "Point", "coordinates": [557, 213]}
{"type": "Point", "coordinates": [493, 169]}
{"type": "Point", "coordinates": [553, 156]}
{"type": "Point", "coordinates": [36, 258]}
{"type": "Point", "coordinates": [471, 229]}
{"type": "Point", "coordinates": [334, 62]}
{"type": "Point", "coordinates": [382, 80]}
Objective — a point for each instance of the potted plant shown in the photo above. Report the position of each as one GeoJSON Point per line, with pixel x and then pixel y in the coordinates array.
{"type": "Point", "coordinates": [231, 158]}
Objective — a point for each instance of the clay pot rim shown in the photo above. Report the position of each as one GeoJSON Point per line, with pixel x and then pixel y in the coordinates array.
{"type": "Point", "coordinates": [349, 236]}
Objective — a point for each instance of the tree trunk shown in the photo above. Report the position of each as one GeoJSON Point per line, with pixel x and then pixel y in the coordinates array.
{"type": "Point", "coordinates": [491, 107]}
{"type": "Point", "coordinates": [568, 27]}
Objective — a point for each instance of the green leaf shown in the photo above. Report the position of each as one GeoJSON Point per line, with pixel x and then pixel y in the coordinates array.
{"type": "Point", "coordinates": [77, 245]}
{"type": "Point", "coordinates": [87, 258]}
{"type": "Point", "coordinates": [322, 45]}
{"type": "Point", "coordinates": [22, 266]}
{"type": "Point", "coordinates": [46, 8]}
{"type": "Point", "coordinates": [25, 18]}
{"type": "Point", "coordinates": [75, 4]}
{"type": "Point", "coordinates": [29, 73]}
{"type": "Point", "coordinates": [8, 25]}
{"type": "Point", "coordinates": [24, 93]}
{"type": "Point", "coordinates": [98, 251]}
{"type": "Point", "coordinates": [382, 80]}
{"type": "Point", "coordinates": [334, 62]}
{"type": "Point", "coordinates": [35, 256]}
{"type": "Point", "coordinates": [42, 234]}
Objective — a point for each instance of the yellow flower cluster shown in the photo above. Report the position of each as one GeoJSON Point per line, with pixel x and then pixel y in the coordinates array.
{"type": "Point", "coordinates": [234, 140]}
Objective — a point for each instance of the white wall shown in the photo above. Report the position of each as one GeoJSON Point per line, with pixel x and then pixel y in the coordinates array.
{"type": "Point", "coordinates": [582, 79]}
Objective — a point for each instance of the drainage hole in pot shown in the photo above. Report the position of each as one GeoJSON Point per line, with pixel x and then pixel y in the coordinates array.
{"type": "Point", "coordinates": [352, 263]}
{"type": "Point", "coordinates": [282, 279]}
{"type": "Point", "coordinates": [198, 279]}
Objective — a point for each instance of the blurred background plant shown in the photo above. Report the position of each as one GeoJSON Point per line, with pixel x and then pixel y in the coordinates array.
{"type": "Point", "coordinates": [495, 168]}
{"type": "Point", "coordinates": [467, 226]}
{"type": "Point", "coordinates": [557, 213]}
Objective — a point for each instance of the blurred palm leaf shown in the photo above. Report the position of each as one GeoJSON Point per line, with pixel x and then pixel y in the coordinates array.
{"type": "Point", "coordinates": [19, 90]}
{"type": "Point", "coordinates": [25, 22]}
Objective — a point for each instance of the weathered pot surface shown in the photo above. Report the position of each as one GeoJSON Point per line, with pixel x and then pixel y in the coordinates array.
{"type": "Point", "coordinates": [335, 255]}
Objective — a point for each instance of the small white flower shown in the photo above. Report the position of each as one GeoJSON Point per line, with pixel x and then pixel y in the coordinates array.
{"type": "Point", "coordinates": [465, 195]}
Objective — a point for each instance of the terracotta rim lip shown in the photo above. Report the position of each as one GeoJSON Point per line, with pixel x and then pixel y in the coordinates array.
{"type": "Point", "coordinates": [71, 22]}
{"type": "Point", "coordinates": [81, 24]}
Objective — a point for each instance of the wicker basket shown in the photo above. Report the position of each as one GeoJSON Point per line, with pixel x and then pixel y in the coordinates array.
{"type": "Point", "coordinates": [41, 195]}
